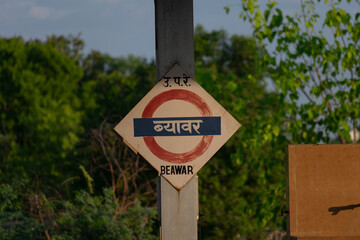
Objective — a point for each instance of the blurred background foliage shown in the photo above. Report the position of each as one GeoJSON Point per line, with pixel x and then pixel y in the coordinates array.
{"type": "Point", "coordinates": [59, 107]}
{"type": "Point", "coordinates": [242, 188]}
{"type": "Point", "coordinates": [64, 173]}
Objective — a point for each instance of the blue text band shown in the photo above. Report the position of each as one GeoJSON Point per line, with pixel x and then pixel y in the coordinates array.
{"type": "Point", "coordinates": [181, 126]}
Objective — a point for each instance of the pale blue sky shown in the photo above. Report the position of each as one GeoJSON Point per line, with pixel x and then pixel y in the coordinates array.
{"type": "Point", "coordinates": [117, 27]}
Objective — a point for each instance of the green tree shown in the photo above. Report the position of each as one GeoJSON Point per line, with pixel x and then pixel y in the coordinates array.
{"type": "Point", "coordinates": [14, 224]}
{"type": "Point", "coordinates": [112, 86]}
{"type": "Point", "coordinates": [40, 116]}
{"type": "Point", "coordinates": [314, 62]}
{"type": "Point", "coordinates": [242, 188]}
{"type": "Point", "coordinates": [109, 88]}
{"type": "Point", "coordinates": [68, 45]}
{"type": "Point", "coordinates": [98, 217]}
{"type": "Point", "coordinates": [26, 214]}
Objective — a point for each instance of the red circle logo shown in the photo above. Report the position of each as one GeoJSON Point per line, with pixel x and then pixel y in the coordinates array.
{"type": "Point", "coordinates": [199, 103]}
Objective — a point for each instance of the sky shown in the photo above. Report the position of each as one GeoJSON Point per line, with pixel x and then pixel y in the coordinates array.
{"type": "Point", "coordinates": [116, 27]}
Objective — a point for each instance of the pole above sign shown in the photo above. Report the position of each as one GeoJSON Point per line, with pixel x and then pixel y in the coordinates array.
{"type": "Point", "coordinates": [177, 127]}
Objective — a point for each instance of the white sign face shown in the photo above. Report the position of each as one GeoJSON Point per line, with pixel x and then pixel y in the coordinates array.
{"type": "Point", "coordinates": [177, 127]}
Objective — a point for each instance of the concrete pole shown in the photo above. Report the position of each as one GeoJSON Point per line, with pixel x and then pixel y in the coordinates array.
{"type": "Point", "coordinates": [174, 29]}
{"type": "Point", "coordinates": [177, 210]}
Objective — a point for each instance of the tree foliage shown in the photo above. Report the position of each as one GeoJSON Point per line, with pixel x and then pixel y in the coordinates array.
{"type": "Point", "coordinates": [58, 108]}
{"type": "Point", "coordinates": [57, 113]}
{"type": "Point", "coordinates": [86, 217]}
{"type": "Point", "coordinates": [242, 188]}
{"type": "Point", "coordinates": [115, 84]}
{"type": "Point", "coordinates": [314, 61]}
{"type": "Point", "coordinates": [40, 110]}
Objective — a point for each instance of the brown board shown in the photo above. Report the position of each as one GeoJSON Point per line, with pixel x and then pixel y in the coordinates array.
{"type": "Point", "coordinates": [324, 191]}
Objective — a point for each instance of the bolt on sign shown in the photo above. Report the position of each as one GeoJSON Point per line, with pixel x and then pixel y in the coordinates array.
{"type": "Point", "coordinates": [177, 127]}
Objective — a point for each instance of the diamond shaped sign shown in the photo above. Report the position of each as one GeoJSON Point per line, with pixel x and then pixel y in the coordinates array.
{"type": "Point", "coordinates": [177, 127]}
